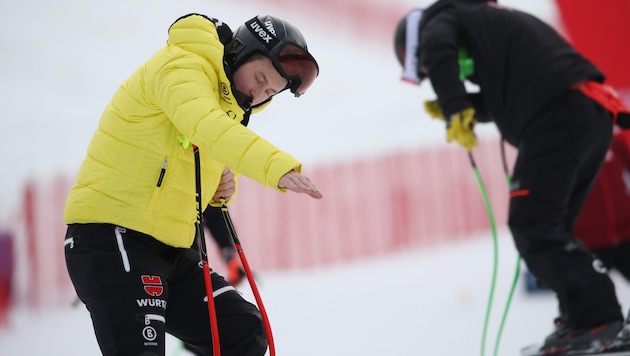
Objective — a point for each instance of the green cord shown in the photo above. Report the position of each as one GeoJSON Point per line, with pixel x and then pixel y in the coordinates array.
{"type": "Point", "coordinates": [517, 271]}
{"type": "Point", "coordinates": [495, 258]}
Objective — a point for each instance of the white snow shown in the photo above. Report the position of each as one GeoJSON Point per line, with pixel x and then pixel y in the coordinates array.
{"type": "Point", "coordinates": [429, 302]}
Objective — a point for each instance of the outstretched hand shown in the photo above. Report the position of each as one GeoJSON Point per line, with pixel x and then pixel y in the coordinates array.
{"type": "Point", "coordinates": [299, 183]}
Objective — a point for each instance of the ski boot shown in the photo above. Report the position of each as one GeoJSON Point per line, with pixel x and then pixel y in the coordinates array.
{"type": "Point", "coordinates": [565, 340]}
{"type": "Point", "coordinates": [622, 341]}
{"type": "Point", "coordinates": [235, 272]}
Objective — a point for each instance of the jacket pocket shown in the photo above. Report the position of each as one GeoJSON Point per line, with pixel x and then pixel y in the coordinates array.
{"type": "Point", "coordinates": [155, 196]}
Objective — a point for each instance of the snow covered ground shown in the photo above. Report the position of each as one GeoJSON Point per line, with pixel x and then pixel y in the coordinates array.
{"type": "Point", "coordinates": [60, 64]}
{"type": "Point", "coordinates": [428, 302]}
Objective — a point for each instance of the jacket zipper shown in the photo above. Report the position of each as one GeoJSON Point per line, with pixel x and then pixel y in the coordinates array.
{"type": "Point", "coordinates": [162, 172]}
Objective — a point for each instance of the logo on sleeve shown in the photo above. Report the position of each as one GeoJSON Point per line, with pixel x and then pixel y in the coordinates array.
{"type": "Point", "coordinates": [152, 285]}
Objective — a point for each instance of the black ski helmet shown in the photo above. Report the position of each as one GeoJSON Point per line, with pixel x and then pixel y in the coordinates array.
{"type": "Point", "coordinates": [282, 43]}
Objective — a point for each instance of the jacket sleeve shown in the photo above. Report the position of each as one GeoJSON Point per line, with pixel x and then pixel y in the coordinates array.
{"type": "Point", "coordinates": [481, 109]}
{"type": "Point", "coordinates": [184, 89]}
{"type": "Point", "coordinates": [439, 49]}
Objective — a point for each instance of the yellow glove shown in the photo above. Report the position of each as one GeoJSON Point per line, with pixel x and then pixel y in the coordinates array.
{"type": "Point", "coordinates": [460, 128]}
{"type": "Point", "coordinates": [433, 109]}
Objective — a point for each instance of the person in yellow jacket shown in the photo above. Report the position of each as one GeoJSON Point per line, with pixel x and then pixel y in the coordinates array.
{"type": "Point", "coordinates": [131, 213]}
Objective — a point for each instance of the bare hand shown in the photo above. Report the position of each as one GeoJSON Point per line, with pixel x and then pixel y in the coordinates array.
{"type": "Point", "coordinates": [227, 186]}
{"type": "Point", "coordinates": [299, 183]}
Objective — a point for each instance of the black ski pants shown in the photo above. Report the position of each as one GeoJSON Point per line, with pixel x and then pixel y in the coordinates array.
{"type": "Point", "coordinates": [616, 257]}
{"type": "Point", "coordinates": [559, 156]}
{"type": "Point", "coordinates": [213, 219]}
{"type": "Point", "coordinates": [137, 289]}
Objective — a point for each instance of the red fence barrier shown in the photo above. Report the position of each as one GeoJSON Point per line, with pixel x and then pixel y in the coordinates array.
{"type": "Point", "coordinates": [371, 207]}
{"type": "Point", "coordinates": [6, 275]}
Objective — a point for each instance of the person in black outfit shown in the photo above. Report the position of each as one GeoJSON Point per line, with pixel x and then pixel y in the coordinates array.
{"type": "Point", "coordinates": [546, 100]}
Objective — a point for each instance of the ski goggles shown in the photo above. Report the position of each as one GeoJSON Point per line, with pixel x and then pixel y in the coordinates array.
{"type": "Point", "coordinates": [297, 66]}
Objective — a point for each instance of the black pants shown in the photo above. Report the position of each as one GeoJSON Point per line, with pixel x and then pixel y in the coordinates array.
{"type": "Point", "coordinates": [560, 154]}
{"type": "Point", "coordinates": [213, 219]}
{"type": "Point", "coordinates": [137, 289]}
{"type": "Point", "coordinates": [616, 257]}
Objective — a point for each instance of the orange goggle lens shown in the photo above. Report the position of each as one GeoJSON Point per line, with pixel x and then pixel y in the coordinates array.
{"type": "Point", "coordinates": [298, 67]}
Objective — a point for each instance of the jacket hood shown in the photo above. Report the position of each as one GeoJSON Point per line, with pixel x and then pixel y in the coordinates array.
{"type": "Point", "coordinates": [442, 4]}
{"type": "Point", "coordinates": [207, 37]}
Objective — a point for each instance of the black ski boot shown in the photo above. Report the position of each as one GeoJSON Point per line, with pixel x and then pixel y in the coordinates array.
{"type": "Point", "coordinates": [565, 340]}
{"type": "Point", "coordinates": [622, 341]}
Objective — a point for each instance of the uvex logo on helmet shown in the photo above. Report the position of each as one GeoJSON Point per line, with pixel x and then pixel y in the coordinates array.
{"type": "Point", "coordinates": [269, 26]}
{"type": "Point", "coordinates": [268, 38]}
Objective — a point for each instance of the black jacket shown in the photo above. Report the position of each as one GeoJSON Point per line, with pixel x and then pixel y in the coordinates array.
{"type": "Point", "coordinates": [520, 63]}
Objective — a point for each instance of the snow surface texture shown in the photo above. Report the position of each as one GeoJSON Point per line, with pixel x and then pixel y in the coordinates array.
{"type": "Point", "coordinates": [429, 302]}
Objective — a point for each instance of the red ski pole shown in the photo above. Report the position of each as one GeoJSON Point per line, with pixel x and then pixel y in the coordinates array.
{"type": "Point", "coordinates": [203, 256]}
{"type": "Point", "coordinates": [250, 276]}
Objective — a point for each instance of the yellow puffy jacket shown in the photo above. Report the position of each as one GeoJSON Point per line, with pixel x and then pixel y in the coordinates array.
{"type": "Point", "coordinates": [137, 174]}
